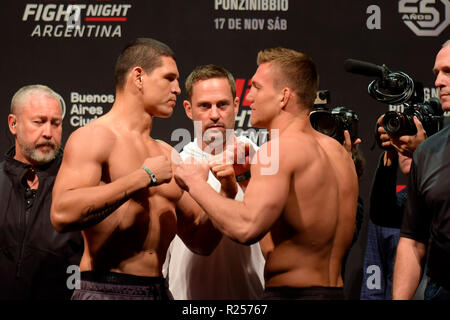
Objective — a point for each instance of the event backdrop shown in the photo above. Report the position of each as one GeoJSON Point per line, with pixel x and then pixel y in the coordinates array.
{"type": "Point", "coordinates": [72, 46]}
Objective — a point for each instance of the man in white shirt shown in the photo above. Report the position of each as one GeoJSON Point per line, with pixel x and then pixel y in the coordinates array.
{"type": "Point", "coordinates": [232, 271]}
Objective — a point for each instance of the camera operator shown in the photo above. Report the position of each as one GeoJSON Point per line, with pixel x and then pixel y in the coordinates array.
{"type": "Point", "coordinates": [386, 213]}
{"type": "Point", "coordinates": [405, 144]}
{"type": "Point", "coordinates": [425, 230]}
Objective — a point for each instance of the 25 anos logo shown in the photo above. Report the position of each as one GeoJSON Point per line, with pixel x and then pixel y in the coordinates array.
{"type": "Point", "coordinates": [425, 17]}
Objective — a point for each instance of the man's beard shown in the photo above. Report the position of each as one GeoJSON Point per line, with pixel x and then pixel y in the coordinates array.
{"type": "Point", "coordinates": [38, 156]}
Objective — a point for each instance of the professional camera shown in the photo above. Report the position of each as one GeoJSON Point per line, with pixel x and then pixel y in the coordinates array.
{"type": "Point", "coordinates": [398, 88]}
{"type": "Point", "coordinates": [333, 121]}
{"type": "Point", "coordinates": [399, 124]}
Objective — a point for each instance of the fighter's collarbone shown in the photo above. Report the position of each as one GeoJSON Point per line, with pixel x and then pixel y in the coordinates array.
{"type": "Point", "coordinates": [137, 148]}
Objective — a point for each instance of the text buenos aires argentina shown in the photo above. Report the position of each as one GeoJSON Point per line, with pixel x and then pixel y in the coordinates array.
{"type": "Point", "coordinates": [69, 20]}
{"type": "Point", "coordinates": [88, 107]}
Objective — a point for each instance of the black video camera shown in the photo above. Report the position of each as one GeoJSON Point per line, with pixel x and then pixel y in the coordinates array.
{"type": "Point", "coordinates": [399, 124]}
{"type": "Point", "coordinates": [398, 88]}
{"type": "Point", "coordinates": [333, 121]}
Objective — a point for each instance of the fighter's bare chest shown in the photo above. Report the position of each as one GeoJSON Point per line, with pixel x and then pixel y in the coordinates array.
{"type": "Point", "coordinates": [129, 155]}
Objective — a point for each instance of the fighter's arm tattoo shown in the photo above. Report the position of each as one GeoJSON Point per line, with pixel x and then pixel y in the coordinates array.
{"type": "Point", "coordinates": [93, 215]}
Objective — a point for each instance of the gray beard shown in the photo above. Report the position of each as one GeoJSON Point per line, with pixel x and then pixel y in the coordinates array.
{"type": "Point", "coordinates": [39, 157]}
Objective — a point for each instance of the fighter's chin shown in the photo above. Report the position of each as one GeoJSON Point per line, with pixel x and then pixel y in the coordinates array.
{"type": "Point", "coordinates": [166, 114]}
{"type": "Point", "coordinates": [255, 123]}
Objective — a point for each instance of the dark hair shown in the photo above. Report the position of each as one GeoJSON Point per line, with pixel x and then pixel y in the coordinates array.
{"type": "Point", "coordinates": [206, 72]}
{"type": "Point", "coordinates": [294, 69]}
{"type": "Point", "coordinates": [359, 160]}
{"type": "Point", "coordinates": [142, 52]}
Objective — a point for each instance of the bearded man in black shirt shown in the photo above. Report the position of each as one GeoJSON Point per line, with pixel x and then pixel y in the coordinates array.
{"type": "Point", "coordinates": [34, 258]}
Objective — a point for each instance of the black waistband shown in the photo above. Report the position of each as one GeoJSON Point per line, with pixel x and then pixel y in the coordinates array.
{"type": "Point", "coordinates": [119, 278]}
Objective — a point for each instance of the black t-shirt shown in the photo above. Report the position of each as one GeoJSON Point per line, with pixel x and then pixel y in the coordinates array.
{"type": "Point", "coordinates": [386, 204]}
{"type": "Point", "coordinates": [427, 215]}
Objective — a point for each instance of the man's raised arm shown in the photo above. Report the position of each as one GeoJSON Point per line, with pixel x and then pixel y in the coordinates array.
{"type": "Point", "coordinates": [247, 221]}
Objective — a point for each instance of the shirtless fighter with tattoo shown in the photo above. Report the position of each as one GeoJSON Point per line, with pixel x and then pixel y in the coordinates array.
{"type": "Point", "coordinates": [115, 184]}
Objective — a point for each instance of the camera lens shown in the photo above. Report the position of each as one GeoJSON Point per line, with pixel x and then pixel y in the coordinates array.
{"type": "Point", "coordinates": [393, 123]}
{"type": "Point", "coordinates": [325, 124]}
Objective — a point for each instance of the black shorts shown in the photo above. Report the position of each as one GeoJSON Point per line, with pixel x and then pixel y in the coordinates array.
{"type": "Point", "coordinates": [309, 293]}
{"type": "Point", "coordinates": [118, 286]}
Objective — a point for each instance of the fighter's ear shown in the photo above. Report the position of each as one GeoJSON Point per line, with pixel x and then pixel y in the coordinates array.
{"type": "Point", "coordinates": [237, 100]}
{"type": "Point", "coordinates": [188, 108]}
{"type": "Point", "coordinates": [136, 75]}
{"type": "Point", "coordinates": [285, 97]}
{"type": "Point", "coordinates": [12, 120]}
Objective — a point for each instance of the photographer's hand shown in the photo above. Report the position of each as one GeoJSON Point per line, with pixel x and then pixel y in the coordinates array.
{"type": "Point", "coordinates": [384, 137]}
{"type": "Point", "coordinates": [389, 157]}
{"type": "Point", "coordinates": [348, 144]}
{"type": "Point", "coordinates": [406, 145]}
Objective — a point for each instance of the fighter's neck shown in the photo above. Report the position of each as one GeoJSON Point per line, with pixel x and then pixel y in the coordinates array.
{"type": "Point", "coordinates": [131, 115]}
{"type": "Point", "coordinates": [286, 124]}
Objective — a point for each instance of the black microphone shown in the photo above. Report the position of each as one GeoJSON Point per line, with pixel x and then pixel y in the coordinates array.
{"type": "Point", "coordinates": [392, 82]}
{"type": "Point", "coordinates": [364, 68]}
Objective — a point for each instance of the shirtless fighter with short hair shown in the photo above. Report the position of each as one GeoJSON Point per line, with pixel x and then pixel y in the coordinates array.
{"type": "Point", "coordinates": [115, 184]}
{"type": "Point", "coordinates": [308, 205]}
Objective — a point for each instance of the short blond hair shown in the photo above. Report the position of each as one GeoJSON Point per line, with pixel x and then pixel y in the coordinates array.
{"type": "Point", "coordinates": [295, 70]}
